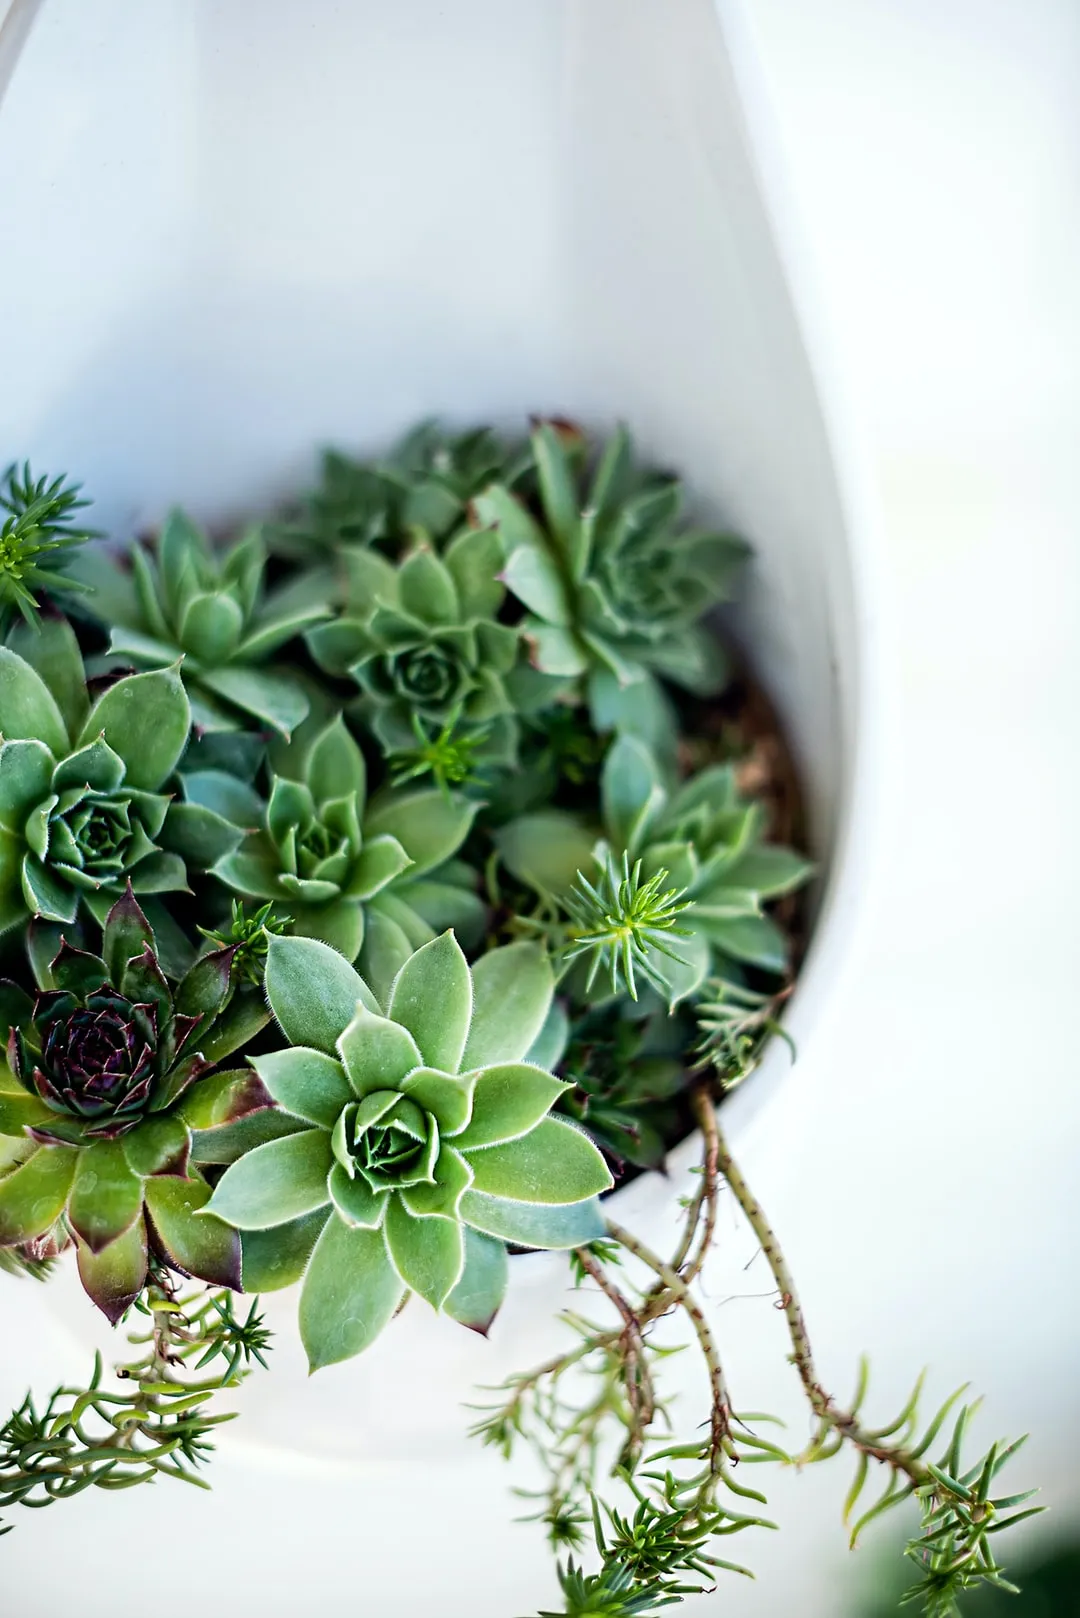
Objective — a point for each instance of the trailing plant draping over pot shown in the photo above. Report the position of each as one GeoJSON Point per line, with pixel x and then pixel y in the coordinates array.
{"type": "Point", "coordinates": [378, 890]}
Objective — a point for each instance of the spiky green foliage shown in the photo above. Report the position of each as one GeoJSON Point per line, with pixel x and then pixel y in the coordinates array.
{"type": "Point", "coordinates": [183, 601]}
{"type": "Point", "coordinates": [102, 1077]}
{"type": "Point", "coordinates": [692, 903]}
{"type": "Point", "coordinates": [39, 529]}
{"type": "Point", "coordinates": [428, 1141]}
{"type": "Point", "coordinates": [153, 1422]}
{"type": "Point", "coordinates": [81, 810]}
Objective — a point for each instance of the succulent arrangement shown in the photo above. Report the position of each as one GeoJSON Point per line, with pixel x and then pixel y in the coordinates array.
{"type": "Point", "coordinates": [378, 889]}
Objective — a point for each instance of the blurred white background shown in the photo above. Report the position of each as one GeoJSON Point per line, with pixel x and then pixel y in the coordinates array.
{"type": "Point", "coordinates": [925, 1180]}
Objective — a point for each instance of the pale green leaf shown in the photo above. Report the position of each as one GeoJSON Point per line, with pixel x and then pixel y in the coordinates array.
{"type": "Point", "coordinates": [351, 1291]}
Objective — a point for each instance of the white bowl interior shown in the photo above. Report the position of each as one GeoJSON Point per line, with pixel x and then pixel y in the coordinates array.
{"type": "Point", "coordinates": [251, 230]}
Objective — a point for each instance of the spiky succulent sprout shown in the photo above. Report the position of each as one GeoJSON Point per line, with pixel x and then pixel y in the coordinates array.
{"type": "Point", "coordinates": [81, 808]}
{"type": "Point", "coordinates": [706, 840]}
{"type": "Point", "coordinates": [422, 642]}
{"type": "Point", "coordinates": [184, 600]}
{"type": "Point", "coordinates": [428, 1143]}
{"type": "Point", "coordinates": [105, 1077]}
{"type": "Point", "coordinates": [39, 528]}
{"type": "Point", "coordinates": [613, 580]}
{"type": "Point", "coordinates": [369, 878]}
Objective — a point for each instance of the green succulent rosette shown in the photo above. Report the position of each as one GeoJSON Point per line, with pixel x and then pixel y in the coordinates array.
{"type": "Point", "coordinates": [707, 840]}
{"type": "Point", "coordinates": [375, 879]}
{"type": "Point", "coordinates": [81, 810]}
{"type": "Point", "coordinates": [426, 1141]}
{"type": "Point", "coordinates": [184, 600]}
{"type": "Point", "coordinates": [104, 1081]}
{"type": "Point", "coordinates": [422, 642]}
{"type": "Point", "coordinates": [423, 485]}
{"type": "Point", "coordinates": [613, 580]}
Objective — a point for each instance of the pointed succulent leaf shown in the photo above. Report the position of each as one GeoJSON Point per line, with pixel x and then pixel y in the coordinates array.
{"type": "Point", "coordinates": [276, 1182]}
{"type": "Point", "coordinates": [114, 1276]}
{"type": "Point", "coordinates": [181, 551]}
{"type": "Point", "coordinates": [512, 990]}
{"type": "Point", "coordinates": [223, 1097]}
{"type": "Point", "coordinates": [50, 647]}
{"type": "Point", "coordinates": [192, 1239]}
{"type": "Point", "coordinates": [474, 560]}
{"type": "Point", "coordinates": [106, 1196]}
{"type": "Point", "coordinates": [376, 1053]}
{"type": "Point", "coordinates": [127, 933]}
{"type": "Point", "coordinates": [275, 698]}
{"type": "Point", "coordinates": [426, 589]}
{"type": "Point", "coordinates": [146, 719]}
{"type": "Point", "coordinates": [554, 1163]}
{"type": "Point", "coordinates": [210, 627]}
{"type": "Point", "coordinates": [237, 1025]}
{"type": "Point", "coordinates": [338, 922]}
{"type": "Point", "coordinates": [307, 1083]}
{"type": "Point", "coordinates": [756, 940]}
{"type": "Point", "coordinates": [158, 1146]}
{"type": "Point", "coordinates": [447, 1098]}
{"type": "Point", "coordinates": [234, 800]}
{"type": "Point", "coordinates": [350, 1292]}
{"type": "Point", "coordinates": [533, 576]}
{"type": "Point", "coordinates": [381, 860]}
{"type": "Point", "coordinates": [199, 836]}
{"type": "Point", "coordinates": [443, 1195]}
{"type": "Point", "coordinates": [770, 870]}
{"type": "Point", "coordinates": [384, 951]}
{"type": "Point", "coordinates": [17, 1008]}
{"type": "Point", "coordinates": [96, 766]}
{"type": "Point", "coordinates": [226, 1143]}
{"type": "Point", "coordinates": [547, 1048]}
{"type": "Point", "coordinates": [335, 765]}
{"type": "Point", "coordinates": [509, 1100]}
{"type": "Point", "coordinates": [430, 825]}
{"type": "Point", "coordinates": [26, 770]}
{"type": "Point", "coordinates": [428, 1253]}
{"type": "Point", "coordinates": [432, 998]}
{"type": "Point", "coordinates": [554, 650]}
{"type": "Point", "coordinates": [20, 1112]}
{"type": "Point", "coordinates": [278, 1258]}
{"type": "Point", "coordinates": [631, 794]}
{"type": "Point", "coordinates": [313, 991]}
{"type": "Point", "coordinates": [356, 1203]}
{"type": "Point", "coordinates": [34, 1195]}
{"type": "Point", "coordinates": [546, 849]}
{"type": "Point", "coordinates": [44, 894]}
{"type": "Point", "coordinates": [291, 804]}
{"type": "Point", "coordinates": [574, 1224]}
{"type": "Point", "coordinates": [28, 709]}
{"type": "Point", "coordinates": [204, 989]}
{"type": "Point", "coordinates": [479, 1293]}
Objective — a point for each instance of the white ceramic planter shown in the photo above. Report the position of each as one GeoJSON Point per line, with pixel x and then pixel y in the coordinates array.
{"type": "Point", "coordinates": [256, 228]}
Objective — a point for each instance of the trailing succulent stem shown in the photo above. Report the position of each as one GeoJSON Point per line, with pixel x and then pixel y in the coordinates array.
{"type": "Point", "coordinates": [158, 1422]}
{"type": "Point", "coordinates": [600, 1407]}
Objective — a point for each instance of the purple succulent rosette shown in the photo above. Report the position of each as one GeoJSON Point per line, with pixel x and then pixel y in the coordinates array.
{"type": "Point", "coordinates": [102, 1084]}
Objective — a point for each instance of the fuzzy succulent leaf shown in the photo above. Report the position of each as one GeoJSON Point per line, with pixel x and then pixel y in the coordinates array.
{"type": "Point", "coordinates": [400, 1135]}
